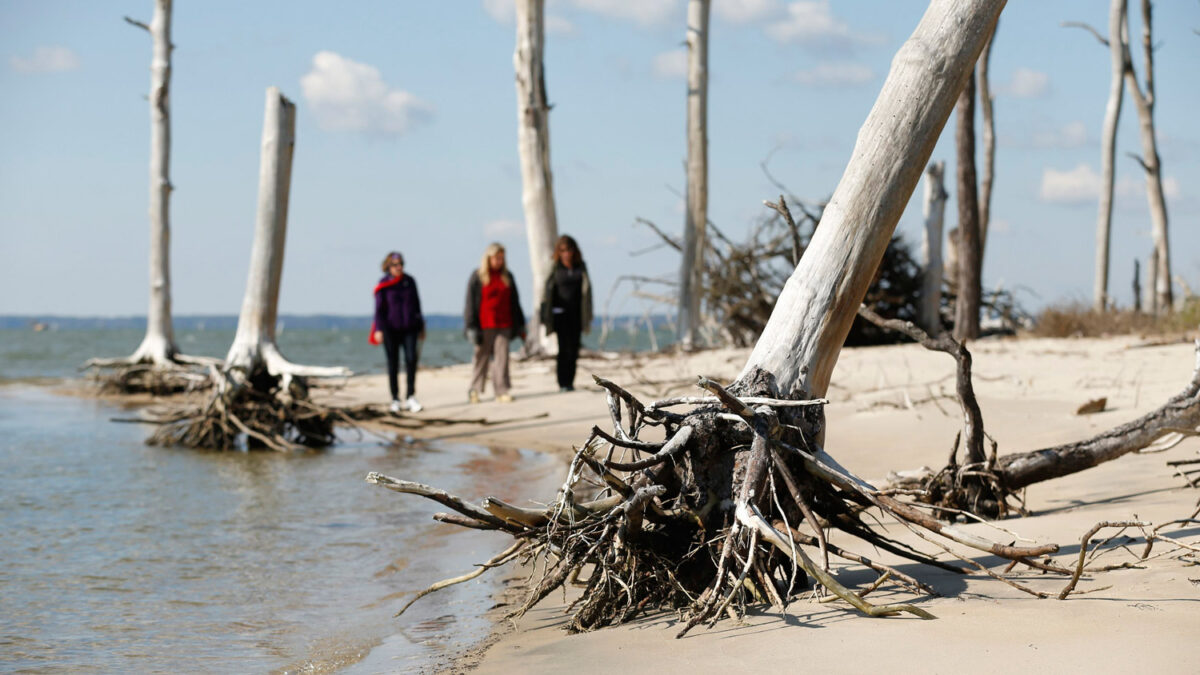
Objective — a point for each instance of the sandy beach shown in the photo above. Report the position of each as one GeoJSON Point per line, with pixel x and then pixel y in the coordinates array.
{"type": "Point", "coordinates": [891, 409]}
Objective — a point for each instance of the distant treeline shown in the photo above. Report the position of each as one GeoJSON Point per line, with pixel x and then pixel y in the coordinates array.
{"type": "Point", "coordinates": [229, 322]}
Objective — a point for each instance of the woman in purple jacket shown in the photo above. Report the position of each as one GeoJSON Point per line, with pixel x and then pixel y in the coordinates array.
{"type": "Point", "coordinates": [398, 323]}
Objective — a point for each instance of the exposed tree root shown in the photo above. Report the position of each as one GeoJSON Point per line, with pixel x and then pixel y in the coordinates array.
{"type": "Point", "coordinates": [710, 519]}
{"type": "Point", "coordinates": [179, 375]}
{"type": "Point", "coordinates": [271, 412]}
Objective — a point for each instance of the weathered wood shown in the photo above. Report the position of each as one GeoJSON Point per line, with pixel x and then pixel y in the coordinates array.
{"type": "Point", "coordinates": [987, 116]}
{"type": "Point", "coordinates": [812, 316]}
{"type": "Point", "coordinates": [970, 260]}
{"type": "Point", "coordinates": [533, 148]}
{"type": "Point", "coordinates": [1117, 29]}
{"type": "Point", "coordinates": [691, 268]}
{"type": "Point", "coordinates": [934, 210]}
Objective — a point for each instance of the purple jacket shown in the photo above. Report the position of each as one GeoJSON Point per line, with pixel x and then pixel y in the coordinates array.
{"type": "Point", "coordinates": [398, 307]}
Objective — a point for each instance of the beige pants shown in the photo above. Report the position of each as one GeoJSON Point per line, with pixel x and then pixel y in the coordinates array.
{"type": "Point", "coordinates": [494, 348]}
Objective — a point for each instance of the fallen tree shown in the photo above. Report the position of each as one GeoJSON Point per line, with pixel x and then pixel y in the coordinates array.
{"type": "Point", "coordinates": [709, 517]}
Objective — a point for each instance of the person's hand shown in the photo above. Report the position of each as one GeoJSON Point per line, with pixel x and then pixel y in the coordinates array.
{"type": "Point", "coordinates": [587, 329]}
{"type": "Point", "coordinates": [474, 337]}
{"type": "Point", "coordinates": [523, 336]}
{"type": "Point", "coordinates": [421, 337]}
{"type": "Point", "coordinates": [379, 336]}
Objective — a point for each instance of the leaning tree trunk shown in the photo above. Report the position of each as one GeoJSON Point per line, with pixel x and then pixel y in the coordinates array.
{"type": "Point", "coordinates": [931, 248]}
{"type": "Point", "coordinates": [533, 146]}
{"type": "Point", "coordinates": [691, 269]}
{"type": "Point", "coordinates": [970, 262]}
{"type": "Point", "coordinates": [988, 176]}
{"type": "Point", "coordinates": [801, 341]}
{"type": "Point", "coordinates": [253, 349]}
{"type": "Point", "coordinates": [1108, 149]}
{"type": "Point", "coordinates": [1151, 164]}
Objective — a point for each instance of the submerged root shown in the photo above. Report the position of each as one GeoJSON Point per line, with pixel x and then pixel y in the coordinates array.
{"type": "Point", "coordinates": [709, 520]}
{"type": "Point", "coordinates": [146, 378]}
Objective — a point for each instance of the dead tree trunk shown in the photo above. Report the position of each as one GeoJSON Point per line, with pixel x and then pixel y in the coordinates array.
{"type": "Point", "coordinates": [1108, 148]}
{"type": "Point", "coordinates": [533, 146]}
{"type": "Point", "coordinates": [1137, 287]}
{"type": "Point", "coordinates": [1145, 100]}
{"type": "Point", "coordinates": [987, 115]}
{"type": "Point", "coordinates": [1152, 283]}
{"type": "Point", "coordinates": [253, 349]}
{"type": "Point", "coordinates": [691, 269]}
{"type": "Point", "coordinates": [970, 285]}
{"type": "Point", "coordinates": [931, 248]}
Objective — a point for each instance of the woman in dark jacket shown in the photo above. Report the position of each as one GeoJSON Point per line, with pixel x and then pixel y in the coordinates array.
{"type": "Point", "coordinates": [567, 307]}
{"type": "Point", "coordinates": [398, 324]}
{"type": "Point", "coordinates": [492, 317]}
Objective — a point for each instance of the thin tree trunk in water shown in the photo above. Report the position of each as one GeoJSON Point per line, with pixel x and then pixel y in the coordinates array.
{"type": "Point", "coordinates": [158, 346]}
{"type": "Point", "coordinates": [1137, 287]}
{"type": "Point", "coordinates": [691, 271]}
{"type": "Point", "coordinates": [253, 347]}
{"type": "Point", "coordinates": [533, 146]}
{"type": "Point", "coordinates": [931, 248]}
{"type": "Point", "coordinates": [1151, 164]}
{"type": "Point", "coordinates": [1108, 149]}
{"type": "Point", "coordinates": [1152, 283]}
{"type": "Point", "coordinates": [966, 314]}
{"type": "Point", "coordinates": [988, 176]}
{"type": "Point", "coordinates": [802, 339]}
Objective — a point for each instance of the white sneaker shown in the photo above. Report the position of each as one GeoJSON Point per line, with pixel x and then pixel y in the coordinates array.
{"type": "Point", "coordinates": [395, 407]}
{"type": "Point", "coordinates": [413, 404]}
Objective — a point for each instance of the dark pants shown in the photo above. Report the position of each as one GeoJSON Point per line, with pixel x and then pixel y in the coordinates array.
{"type": "Point", "coordinates": [392, 342]}
{"type": "Point", "coordinates": [569, 336]}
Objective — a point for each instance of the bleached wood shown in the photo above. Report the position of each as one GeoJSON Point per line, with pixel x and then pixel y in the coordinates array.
{"type": "Point", "coordinates": [158, 346]}
{"type": "Point", "coordinates": [533, 146]}
{"type": "Point", "coordinates": [691, 269]}
{"type": "Point", "coordinates": [987, 176]}
{"type": "Point", "coordinates": [254, 343]}
{"type": "Point", "coordinates": [1144, 101]}
{"type": "Point", "coordinates": [802, 339]}
{"type": "Point", "coordinates": [934, 210]}
{"type": "Point", "coordinates": [1117, 29]}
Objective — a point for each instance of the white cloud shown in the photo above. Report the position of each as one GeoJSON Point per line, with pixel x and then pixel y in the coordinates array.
{"type": "Point", "coordinates": [505, 12]}
{"type": "Point", "coordinates": [1070, 135]}
{"type": "Point", "coordinates": [45, 60]}
{"type": "Point", "coordinates": [645, 12]}
{"type": "Point", "coordinates": [349, 96]}
{"type": "Point", "coordinates": [1027, 83]}
{"type": "Point", "coordinates": [1080, 185]}
{"type": "Point", "coordinates": [745, 11]}
{"type": "Point", "coordinates": [812, 23]}
{"type": "Point", "coordinates": [672, 64]}
{"type": "Point", "coordinates": [1133, 188]}
{"type": "Point", "coordinates": [839, 74]}
{"type": "Point", "coordinates": [557, 25]}
{"type": "Point", "coordinates": [999, 226]}
{"type": "Point", "coordinates": [499, 229]}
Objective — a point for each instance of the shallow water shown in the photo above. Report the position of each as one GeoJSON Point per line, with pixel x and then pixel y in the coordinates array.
{"type": "Point", "coordinates": [116, 556]}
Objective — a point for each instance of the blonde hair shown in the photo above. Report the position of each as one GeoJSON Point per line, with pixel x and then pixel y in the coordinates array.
{"type": "Point", "coordinates": [387, 260]}
{"type": "Point", "coordinates": [485, 265]}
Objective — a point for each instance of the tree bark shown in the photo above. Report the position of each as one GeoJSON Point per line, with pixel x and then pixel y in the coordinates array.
{"type": "Point", "coordinates": [1151, 164]}
{"type": "Point", "coordinates": [931, 248]}
{"type": "Point", "coordinates": [253, 347]}
{"type": "Point", "coordinates": [966, 313]}
{"type": "Point", "coordinates": [533, 146]}
{"type": "Point", "coordinates": [158, 346]}
{"type": "Point", "coordinates": [988, 118]}
{"type": "Point", "coordinates": [801, 341]}
{"type": "Point", "coordinates": [691, 270]}
{"type": "Point", "coordinates": [1108, 148]}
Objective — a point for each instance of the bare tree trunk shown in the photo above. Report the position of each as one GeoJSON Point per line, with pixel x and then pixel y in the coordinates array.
{"type": "Point", "coordinates": [801, 341]}
{"type": "Point", "coordinates": [1137, 287]}
{"type": "Point", "coordinates": [931, 248]}
{"type": "Point", "coordinates": [158, 346]}
{"type": "Point", "coordinates": [989, 145]}
{"type": "Point", "coordinates": [1108, 149]}
{"type": "Point", "coordinates": [533, 145]}
{"type": "Point", "coordinates": [691, 270]}
{"type": "Point", "coordinates": [1152, 283]}
{"type": "Point", "coordinates": [966, 312]}
{"type": "Point", "coordinates": [1145, 100]}
{"type": "Point", "coordinates": [253, 347]}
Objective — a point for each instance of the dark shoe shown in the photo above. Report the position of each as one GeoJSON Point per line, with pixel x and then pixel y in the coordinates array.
{"type": "Point", "coordinates": [565, 389]}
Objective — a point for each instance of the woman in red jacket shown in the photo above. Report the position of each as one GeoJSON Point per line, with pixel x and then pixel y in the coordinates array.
{"type": "Point", "coordinates": [492, 317]}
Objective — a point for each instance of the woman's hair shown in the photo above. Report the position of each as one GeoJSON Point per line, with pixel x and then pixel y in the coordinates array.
{"type": "Point", "coordinates": [572, 245]}
{"type": "Point", "coordinates": [394, 255]}
{"type": "Point", "coordinates": [485, 265]}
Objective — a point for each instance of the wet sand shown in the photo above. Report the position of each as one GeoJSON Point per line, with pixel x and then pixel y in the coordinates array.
{"type": "Point", "coordinates": [892, 409]}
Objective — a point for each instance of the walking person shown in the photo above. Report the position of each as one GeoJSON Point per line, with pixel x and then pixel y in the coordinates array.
{"type": "Point", "coordinates": [567, 307]}
{"type": "Point", "coordinates": [398, 325]}
{"type": "Point", "coordinates": [492, 317]}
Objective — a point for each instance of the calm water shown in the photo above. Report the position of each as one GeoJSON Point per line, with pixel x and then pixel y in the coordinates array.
{"type": "Point", "coordinates": [120, 557]}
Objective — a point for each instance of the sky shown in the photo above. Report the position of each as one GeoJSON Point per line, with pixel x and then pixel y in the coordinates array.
{"type": "Point", "coordinates": [406, 140]}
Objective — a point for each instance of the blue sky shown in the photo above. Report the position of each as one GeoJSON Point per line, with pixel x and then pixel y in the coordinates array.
{"type": "Point", "coordinates": [406, 140]}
